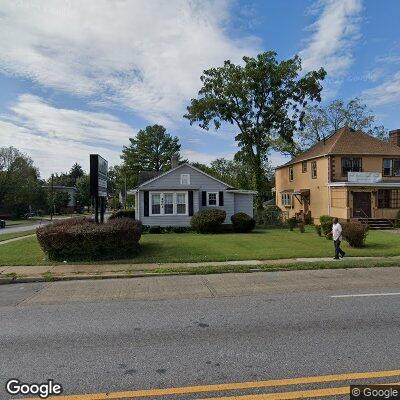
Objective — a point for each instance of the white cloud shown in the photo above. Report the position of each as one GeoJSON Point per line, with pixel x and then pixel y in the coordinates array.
{"type": "Point", "coordinates": [144, 55]}
{"type": "Point", "coordinates": [333, 35]}
{"type": "Point", "coordinates": [57, 137]}
{"type": "Point", "coordinates": [385, 93]}
{"type": "Point", "coordinates": [205, 158]}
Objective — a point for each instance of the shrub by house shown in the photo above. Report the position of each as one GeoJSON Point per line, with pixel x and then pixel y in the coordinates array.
{"type": "Point", "coordinates": [208, 220]}
{"type": "Point", "coordinates": [123, 214]}
{"type": "Point", "coordinates": [81, 239]}
{"type": "Point", "coordinates": [326, 222]}
{"type": "Point", "coordinates": [355, 233]}
{"type": "Point", "coordinates": [241, 222]}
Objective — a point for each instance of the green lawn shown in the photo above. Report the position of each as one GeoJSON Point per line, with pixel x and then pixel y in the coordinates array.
{"type": "Point", "coordinates": [14, 222]}
{"type": "Point", "coordinates": [6, 236]}
{"type": "Point", "coordinates": [262, 244]}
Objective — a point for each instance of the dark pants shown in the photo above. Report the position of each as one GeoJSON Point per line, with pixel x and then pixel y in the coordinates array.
{"type": "Point", "coordinates": [338, 250]}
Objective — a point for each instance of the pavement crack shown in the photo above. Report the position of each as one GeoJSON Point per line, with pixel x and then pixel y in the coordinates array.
{"type": "Point", "coordinates": [36, 293]}
{"type": "Point", "coordinates": [207, 284]}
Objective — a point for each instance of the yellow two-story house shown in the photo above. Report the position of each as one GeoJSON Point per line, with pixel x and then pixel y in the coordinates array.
{"type": "Point", "coordinates": [348, 175]}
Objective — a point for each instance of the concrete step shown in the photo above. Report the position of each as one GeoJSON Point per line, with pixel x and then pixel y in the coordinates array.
{"type": "Point", "coordinates": [377, 223]}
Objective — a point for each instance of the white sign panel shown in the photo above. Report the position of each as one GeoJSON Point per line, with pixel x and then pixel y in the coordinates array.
{"type": "Point", "coordinates": [364, 177]}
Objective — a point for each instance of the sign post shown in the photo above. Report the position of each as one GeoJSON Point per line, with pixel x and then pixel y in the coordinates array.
{"type": "Point", "coordinates": [98, 184]}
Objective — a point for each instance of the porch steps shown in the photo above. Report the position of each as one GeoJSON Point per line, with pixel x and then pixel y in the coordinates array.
{"type": "Point", "coordinates": [377, 223]}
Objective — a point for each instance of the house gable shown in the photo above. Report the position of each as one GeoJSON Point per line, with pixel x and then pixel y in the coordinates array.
{"type": "Point", "coordinates": [347, 141]}
{"type": "Point", "coordinates": [172, 180]}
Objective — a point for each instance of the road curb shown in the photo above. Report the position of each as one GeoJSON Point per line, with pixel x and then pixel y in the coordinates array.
{"type": "Point", "coordinates": [48, 277]}
{"type": "Point", "coordinates": [31, 279]}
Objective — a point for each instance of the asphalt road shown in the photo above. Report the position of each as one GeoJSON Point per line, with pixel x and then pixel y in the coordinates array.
{"type": "Point", "coordinates": [111, 342]}
{"type": "Point", "coordinates": [23, 227]}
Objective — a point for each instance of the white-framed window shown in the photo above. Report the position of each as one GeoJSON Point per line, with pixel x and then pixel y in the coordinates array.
{"type": "Point", "coordinates": [185, 179]}
{"type": "Point", "coordinates": [212, 199]}
{"type": "Point", "coordinates": [155, 203]}
{"type": "Point", "coordinates": [168, 203]}
{"type": "Point", "coordinates": [286, 199]}
{"type": "Point", "coordinates": [181, 203]}
{"type": "Point", "coordinates": [391, 167]}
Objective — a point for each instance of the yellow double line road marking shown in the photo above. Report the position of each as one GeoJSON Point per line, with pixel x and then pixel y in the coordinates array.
{"type": "Point", "coordinates": [303, 394]}
{"type": "Point", "coordinates": [243, 386]}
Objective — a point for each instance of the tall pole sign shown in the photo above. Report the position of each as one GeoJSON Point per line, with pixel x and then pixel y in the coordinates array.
{"type": "Point", "coordinates": [98, 184]}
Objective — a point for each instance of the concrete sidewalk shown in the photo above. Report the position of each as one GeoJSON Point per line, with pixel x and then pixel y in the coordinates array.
{"type": "Point", "coordinates": [41, 273]}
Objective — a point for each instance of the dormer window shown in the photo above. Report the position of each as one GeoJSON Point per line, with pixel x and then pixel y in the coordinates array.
{"type": "Point", "coordinates": [185, 179]}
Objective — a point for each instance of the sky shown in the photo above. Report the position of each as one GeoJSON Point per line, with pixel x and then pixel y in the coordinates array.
{"type": "Point", "coordinates": [81, 77]}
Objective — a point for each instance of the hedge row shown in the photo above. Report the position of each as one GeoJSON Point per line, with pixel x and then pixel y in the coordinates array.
{"type": "Point", "coordinates": [83, 239]}
{"type": "Point", "coordinates": [123, 214]}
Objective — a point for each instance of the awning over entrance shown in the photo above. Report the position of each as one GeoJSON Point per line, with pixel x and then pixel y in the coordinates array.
{"type": "Point", "coordinates": [302, 195]}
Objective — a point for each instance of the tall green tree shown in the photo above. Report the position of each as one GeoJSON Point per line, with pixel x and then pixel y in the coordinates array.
{"type": "Point", "coordinates": [83, 191]}
{"type": "Point", "coordinates": [264, 99]}
{"type": "Point", "coordinates": [68, 178]}
{"type": "Point", "coordinates": [151, 149]}
{"type": "Point", "coordinates": [235, 172]}
{"type": "Point", "coordinates": [59, 200]}
{"type": "Point", "coordinates": [321, 121]}
{"type": "Point", "coordinates": [75, 173]}
{"type": "Point", "coordinates": [20, 187]}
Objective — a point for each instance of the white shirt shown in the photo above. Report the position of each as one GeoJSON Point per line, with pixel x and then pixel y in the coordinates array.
{"type": "Point", "coordinates": [337, 231]}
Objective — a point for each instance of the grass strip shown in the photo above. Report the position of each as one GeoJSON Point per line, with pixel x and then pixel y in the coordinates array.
{"type": "Point", "coordinates": [344, 264]}
{"type": "Point", "coordinates": [7, 236]}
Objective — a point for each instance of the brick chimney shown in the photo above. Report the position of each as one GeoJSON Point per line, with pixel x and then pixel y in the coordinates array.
{"type": "Point", "coordinates": [174, 161]}
{"type": "Point", "coordinates": [394, 137]}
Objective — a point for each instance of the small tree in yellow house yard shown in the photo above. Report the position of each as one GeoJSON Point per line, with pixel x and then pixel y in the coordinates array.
{"type": "Point", "coordinates": [264, 98]}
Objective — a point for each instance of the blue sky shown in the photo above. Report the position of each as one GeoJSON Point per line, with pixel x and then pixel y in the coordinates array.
{"type": "Point", "coordinates": [82, 77]}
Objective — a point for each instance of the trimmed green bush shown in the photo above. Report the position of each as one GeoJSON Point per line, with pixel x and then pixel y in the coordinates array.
{"type": "Point", "coordinates": [292, 223]}
{"type": "Point", "coordinates": [208, 220]}
{"type": "Point", "coordinates": [326, 224]}
{"type": "Point", "coordinates": [156, 229]}
{"type": "Point", "coordinates": [270, 216]}
{"type": "Point", "coordinates": [79, 239]}
{"type": "Point", "coordinates": [123, 214]}
{"type": "Point", "coordinates": [241, 222]}
{"type": "Point", "coordinates": [181, 229]}
{"type": "Point", "coordinates": [165, 229]}
{"type": "Point", "coordinates": [355, 233]}
{"type": "Point", "coordinates": [318, 229]}
{"type": "Point", "coordinates": [397, 220]}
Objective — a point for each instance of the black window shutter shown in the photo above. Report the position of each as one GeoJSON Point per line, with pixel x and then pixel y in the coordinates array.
{"type": "Point", "coordinates": [221, 198]}
{"type": "Point", "coordinates": [146, 203]}
{"type": "Point", "coordinates": [204, 199]}
{"type": "Point", "coordinates": [190, 202]}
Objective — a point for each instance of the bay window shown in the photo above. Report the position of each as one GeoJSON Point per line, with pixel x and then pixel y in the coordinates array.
{"type": "Point", "coordinates": [286, 199]}
{"type": "Point", "coordinates": [168, 203]}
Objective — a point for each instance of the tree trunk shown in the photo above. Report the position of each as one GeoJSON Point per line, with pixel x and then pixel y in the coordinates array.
{"type": "Point", "coordinates": [259, 180]}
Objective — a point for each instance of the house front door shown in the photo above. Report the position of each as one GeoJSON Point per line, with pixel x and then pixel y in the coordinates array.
{"type": "Point", "coordinates": [361, 205]}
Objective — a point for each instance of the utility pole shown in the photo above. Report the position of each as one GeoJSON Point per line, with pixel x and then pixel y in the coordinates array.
{"type": "Point", "coordinates": [52, 197]}
{"type": "Point", "coordinates": [125, 194]}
